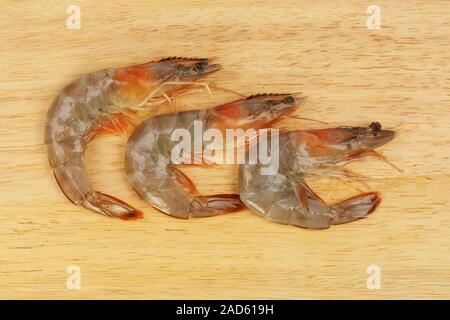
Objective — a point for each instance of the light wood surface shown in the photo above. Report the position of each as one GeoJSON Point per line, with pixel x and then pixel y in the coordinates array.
{"type": "Point", "coordinates": [398, 75]}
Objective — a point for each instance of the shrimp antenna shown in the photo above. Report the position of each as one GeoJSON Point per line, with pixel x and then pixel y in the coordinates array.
{"type": "Point", "coordinates": [383, 158]}
{"type": "Point", "coordinates": [332, 187]}
{"type": "Point", "coordinates": [215, 86]}
{"type": "Point", "coordinates": [353, 186]}
{"type": "Point", "coordinates": [308, 119]}
{"type": "Point", "coordinates": [300, 98]}
{"type": "Point", "coordinates": [346, 173]}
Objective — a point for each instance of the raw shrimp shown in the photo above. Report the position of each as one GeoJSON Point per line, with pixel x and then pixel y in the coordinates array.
{"type": "Point", "coordinates": [104, 100]}
{"type": "Point", "coordinates": [153, 174]}
{"type": "Point", "coordinates": [284, 197]}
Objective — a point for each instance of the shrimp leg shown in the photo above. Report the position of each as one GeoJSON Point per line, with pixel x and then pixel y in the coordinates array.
{"type": "Point", "coordinates": [180, 83]}
{"type": "Point", "coordinates": [374, 154]}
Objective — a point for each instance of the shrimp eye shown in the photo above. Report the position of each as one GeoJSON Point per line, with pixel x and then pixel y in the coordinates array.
{"type": "Point", "coordinates": [289, 100]}
{"type": "Point", "coordinates": [200, 66]}
{"type": "Point", "coordinates": [375, 126]}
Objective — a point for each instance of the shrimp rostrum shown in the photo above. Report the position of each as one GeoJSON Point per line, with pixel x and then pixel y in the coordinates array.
{"type": "Point", "coordinates": [149, 153]}
{"type": "Point", "coordinates": [105, 100]}
{"type": "Point", "coordinates": [285, 197]}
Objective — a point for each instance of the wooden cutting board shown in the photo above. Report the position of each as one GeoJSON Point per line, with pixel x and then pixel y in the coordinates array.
{"type": "Point", "coordinates": [397, 75]}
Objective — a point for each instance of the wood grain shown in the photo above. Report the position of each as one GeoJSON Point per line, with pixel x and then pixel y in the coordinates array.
{"type": "Point", "coordinates": [398, 75]}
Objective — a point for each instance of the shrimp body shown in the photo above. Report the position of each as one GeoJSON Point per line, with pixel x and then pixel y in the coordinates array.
{"type": "Point", "coordinates": [102, 100]}
{"type": "Point", "coordinates": [284, 197]}
{"type": "Point", "coordinates": [149, 165]}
